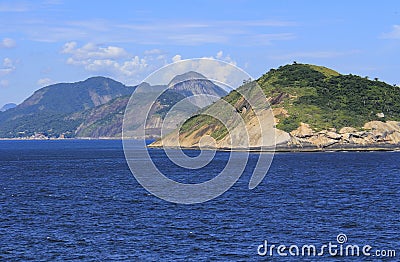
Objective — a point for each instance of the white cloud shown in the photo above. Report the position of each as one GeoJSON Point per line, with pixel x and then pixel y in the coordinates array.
{"type": "Point", "coordinates": [176, 58]}
{"type": "Point", "coordinates": [220, 56]}
{"type": "Point", "coordinates": [133, 66]}
{"type": "Point", "coordinates": [173, 31]}
{"type": "Point", "coordinates": [126, 68]}
{"type": "Point", "coordinates": [394, 34]}
{"type": "Point", "coordinates": [229, 60]}
{"type": "Point", "coordinates": [7, 62]}
{"type": "Point", "coordinates": [110, 60]}
{"type": "Point", "coordinates": [161, 57]}
{"type": "Point", "coordinates": [7, 67]}
{"type": "Point", "coordinates": [5, 71]}
{"type": "Point", "coordinates": [203, 32]}
{"type": "Point", "coordinates": [44, 81]}
{"type": "Point", "coordinates": [7, 43]}
{"type": "Point", "coordinates": [115, 62]}
{"type": "Point", "coordinates": [93, 51]}
{"type": "Point", "coordinates": [69, 47]}
{"type": "Point", "coordinates": [100, 64]}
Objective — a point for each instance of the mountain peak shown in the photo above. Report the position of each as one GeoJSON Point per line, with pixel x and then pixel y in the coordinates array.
{"type": "Point", "coordinates": [99, 80]}
{"type": "Point", "coordinates": [193, 83]}
{"type": "Point", "coordinates": [190, 75]}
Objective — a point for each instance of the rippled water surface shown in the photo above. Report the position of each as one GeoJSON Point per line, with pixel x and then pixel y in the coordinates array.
{"type": "Point", "coordinates": [77, 200]}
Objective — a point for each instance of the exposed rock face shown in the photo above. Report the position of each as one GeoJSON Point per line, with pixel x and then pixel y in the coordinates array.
{"type": "Point", "coordinates": [249, 137]}
{"type": "Point", "coordinates": [347, 129]}
{"type": "Point", "coordinates": [302, 131]}
{"type": "Point", "coordinates": [278, 99]}
{"type": "Point", "coordinates": [333, 135]}
{"type": "Point", "coordinates": [388, 132]}
{"type": "Point", "coordinates": [322, 140]}
{"type": "Point", "coordinates": [373, 133]}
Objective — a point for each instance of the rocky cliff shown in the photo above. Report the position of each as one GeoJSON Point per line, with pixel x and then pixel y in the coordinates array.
{"type": "Point", "coordinates": [374, 134]}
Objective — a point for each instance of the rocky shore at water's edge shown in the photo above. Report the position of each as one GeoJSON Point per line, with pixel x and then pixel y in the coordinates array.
{"type": "Point", "coordinates": [304, 148]}
{"type": "Point", "coordinates": [374, 136]}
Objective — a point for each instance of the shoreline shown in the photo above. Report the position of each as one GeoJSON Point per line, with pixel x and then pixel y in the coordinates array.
{"type": "Point", "coordinates": [277, 149]}
{"type": "Point", "coordinates": [59, 139]}
{"type": "Point", "coordinates": [307, 149]}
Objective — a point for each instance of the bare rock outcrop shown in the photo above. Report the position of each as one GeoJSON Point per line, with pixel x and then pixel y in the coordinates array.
{"type": "Point", "coordinates": [373, 133]}
{"type": "Point", "coordinates": [302, 131]}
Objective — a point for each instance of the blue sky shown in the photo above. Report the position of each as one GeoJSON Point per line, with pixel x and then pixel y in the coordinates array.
{"type": "Point", "coordinates": [45, 42]}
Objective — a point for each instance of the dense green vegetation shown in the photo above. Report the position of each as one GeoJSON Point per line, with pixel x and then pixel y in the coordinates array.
{"type": "Point", "coordinates": [50, 125]}
{"type": "Point", "coordinates": [326, 99]}
{"type": "Point", "coordinates": [218, 130]}
{"type": "Point", "coordinates": [320, 97]}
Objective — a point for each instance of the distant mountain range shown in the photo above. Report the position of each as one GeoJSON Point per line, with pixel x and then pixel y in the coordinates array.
{"type": "Point", "coordinates": [92, 108]}
{"type": "Point", "coordinates": [313, 107]}
{"type": "Point", "coordinates": [50, 111]}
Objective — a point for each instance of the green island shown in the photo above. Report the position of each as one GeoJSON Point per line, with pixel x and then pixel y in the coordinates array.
{"type": "Point", "coordinates": [316, 108]}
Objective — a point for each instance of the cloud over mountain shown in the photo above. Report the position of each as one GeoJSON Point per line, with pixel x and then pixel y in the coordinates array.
{"type": "Point", "coordinates": [7, 43]}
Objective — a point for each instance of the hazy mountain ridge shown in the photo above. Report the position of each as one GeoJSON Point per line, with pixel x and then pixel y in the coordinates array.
{"type": "Point", "coordinates": [48, 111]}
{"type": "Point", "coordinates": [95, 107]}
{"type": "Point", "coordinates": [102, 121]}
{"type": "Point", "coordinates": [187, 84]}
{"type": "Point", "coordinates": [197, 88]}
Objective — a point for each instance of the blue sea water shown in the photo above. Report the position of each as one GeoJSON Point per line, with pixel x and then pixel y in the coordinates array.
{"type": "Point", "coordinates": [77, 200]}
